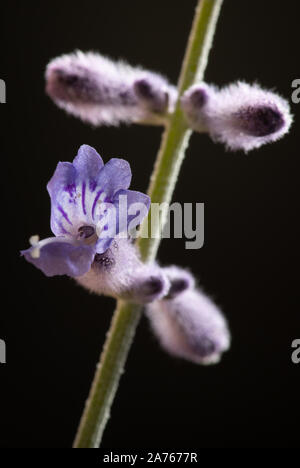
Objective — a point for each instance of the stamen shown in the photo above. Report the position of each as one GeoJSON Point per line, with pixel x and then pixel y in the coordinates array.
{"type": "Point", "coordinates": [34, 241]}
{"type": "Point", "coordinates": [86, 231]}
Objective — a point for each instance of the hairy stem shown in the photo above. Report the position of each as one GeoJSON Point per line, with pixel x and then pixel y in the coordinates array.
{"type": "Point", "coordinates": [170, 156]}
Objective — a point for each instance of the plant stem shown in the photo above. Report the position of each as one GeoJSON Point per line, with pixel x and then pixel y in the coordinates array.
{"type": "Point", "coordinates": [170, 156]}
{"type": "Point", "coordinates": [176, 136]}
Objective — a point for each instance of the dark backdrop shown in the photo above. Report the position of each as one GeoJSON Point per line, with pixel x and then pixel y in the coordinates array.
{"type": "Point", "coordinates": [54, 330]}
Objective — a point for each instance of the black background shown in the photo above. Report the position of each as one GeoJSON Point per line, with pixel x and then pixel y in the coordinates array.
{"type": "Point", "coordinates": [54, 330]}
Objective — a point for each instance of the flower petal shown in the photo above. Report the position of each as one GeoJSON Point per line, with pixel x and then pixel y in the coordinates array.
{"type": "Point", "coordinates": [88, 164]}
{"type": "Point", "coordinates": [115, 175]}
{"type": "Point", "coordinates": [64, 199]}
{"type": "Point", "coordinates": [103, 243]}
{"type": "Point", "coordinates": [124, 214]}
{"type": "Point", "coordinates": [81, 190]}
{"type": "Point", "coordinates": [64, 176]}
{"type": "Point", "coordinates": [132, 207]}
{"type": "Point", "coordinates": [58, 256]}
{"type": "Point", "coordinates": [107, 226]}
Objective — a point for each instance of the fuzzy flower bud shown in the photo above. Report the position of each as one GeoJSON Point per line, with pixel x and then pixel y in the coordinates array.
{"type": "Point", "coordinates": [103, 92]}
{"type": "Point", "coordinates": [119, 273]}
{"type": "Point", "coordinates": [190, 326]}
{"type": "Point", "coordinates": [240, 115]}
{"type": "Point", "coordinates": [180, 280]}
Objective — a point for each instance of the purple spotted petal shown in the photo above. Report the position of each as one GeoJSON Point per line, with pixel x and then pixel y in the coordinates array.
{"type": "Point", "coordinates": [132, 208]}
{"type": "Point", "coordinates": [88, 164]}
{"type": "Point", "coordinates": [57, 257]}
{"type": "Point", "coordinates": [64, 176]}
{"type": "Point", "coordinates": [126, 212]}
{"type": "Point", "coordinates": [77, 190]}
{"type": "Point", "coordinates": [71, 190]}
{"type": "Point", "coordinates": [64, 202]}
{"type": "Point", "coordinates": [103, 243]}
{"type": "Point", "coordinates": [107, 227]}
{"type": "Point", "coordinates": [115, 175]}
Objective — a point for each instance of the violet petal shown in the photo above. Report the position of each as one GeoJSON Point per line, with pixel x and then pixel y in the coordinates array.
{"type": "Point", "coordinates": [138, 205]}
{"type": "Point", "coordinates": [58, 257]}
{"type": "Point", "coordinates": [88, 163]}
{"type": "Point", "coordinates": [115, 175]}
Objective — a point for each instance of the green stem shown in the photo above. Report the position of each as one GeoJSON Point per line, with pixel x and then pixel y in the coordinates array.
{"type": "Point", "coordinates": [177, 134]}
{"type": "Point", "coordinates": [126, 317]}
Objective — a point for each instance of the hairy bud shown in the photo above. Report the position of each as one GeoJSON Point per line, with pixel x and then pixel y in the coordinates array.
{"type": "Point", "coordinates": [103, 92]}
{"type": "Point", "coordinates": [190, 326]}
{"type": "Point", "coordinates": [119, 273]}
{"type": "Point", "coordinates": [180, 280]}
{"type": "Point", "coordinates": [242, 116]}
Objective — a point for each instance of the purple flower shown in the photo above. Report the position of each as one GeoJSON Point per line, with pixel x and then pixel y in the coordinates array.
{"type": "Point", "coordinates": [90, 205]}
{"type": "Point", "coordinates": [106, 92]}
{"type": "Point", "coordinates": [242, 116]}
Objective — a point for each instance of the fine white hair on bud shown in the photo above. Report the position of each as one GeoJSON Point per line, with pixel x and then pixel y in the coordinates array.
{"type": "Point", "coordinates": [241, 116]}
{"type": "Point", "coordinates": [149, 283]}
{"type": "Point", "coordinates": [101, 91]}
{"type": "Point", "coordinates": [180, 280]}
{"type": "Point", "coordinates": [194, 103]}
{"type": "Point", "coordinates": [120, 273]}
{"type": "Point", "coordinates": [190, 326]}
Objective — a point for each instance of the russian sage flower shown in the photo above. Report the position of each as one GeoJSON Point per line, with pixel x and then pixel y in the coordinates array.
{"type": "Point", "coordinates": [240, 115]}
{"type": "Point", "coordinates": [91, 209]}
{"type": "Point", "coordinates": [189, 325]}
{"type": "Point", "coordinates": [105, 92]}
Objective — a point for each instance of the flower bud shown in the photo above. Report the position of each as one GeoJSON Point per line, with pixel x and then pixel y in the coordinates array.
{"type": "Point", "coordinates": [194, 103]}
{"type": "Point", "coordinates": [180, 280]}
{"type": "Point", "coordinates": [149, 283]}
{"type": "Point", "coordinates": [190, 326]}
{"type": "Point", "coordinates": [103, 92]}
{"type": "Point", "coordinates": [152, 93]}
{"type": "Point", "coordinates": [242, 116]}
{"type": "Point", "coordinates": [119, 273]}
